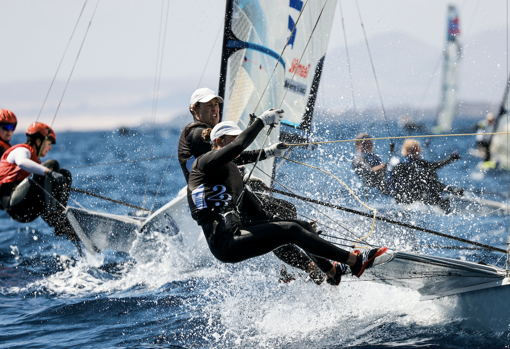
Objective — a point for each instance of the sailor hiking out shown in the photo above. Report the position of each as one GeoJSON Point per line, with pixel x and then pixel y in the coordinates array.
{"type": "Point", "coordinates": [367, 165]}
{"type": "Point", "coordinates": [29, 189]}
{"type": "Point", "coordinates": [235, 225]}
{"type": "Point", "coordinates": [204, 107]}
{"type": "Point", "coordinates": [411, 178]}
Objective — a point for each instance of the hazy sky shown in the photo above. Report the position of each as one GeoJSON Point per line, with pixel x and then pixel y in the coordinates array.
{"type": "Point", "coordinates": [123, 38]}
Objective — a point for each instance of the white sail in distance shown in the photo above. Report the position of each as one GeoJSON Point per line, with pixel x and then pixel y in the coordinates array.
{"type": "Point", "coordinates": [452, 56]}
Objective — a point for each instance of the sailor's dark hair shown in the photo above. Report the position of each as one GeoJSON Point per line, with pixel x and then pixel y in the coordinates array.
{"type": "Point", "coordinates": [32, 141]}
{"type": "Point", "coordinates": [206, 136]}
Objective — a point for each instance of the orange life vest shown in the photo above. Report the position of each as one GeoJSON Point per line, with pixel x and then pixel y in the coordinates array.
{"type": "Point", "coordinates": [10, 173]}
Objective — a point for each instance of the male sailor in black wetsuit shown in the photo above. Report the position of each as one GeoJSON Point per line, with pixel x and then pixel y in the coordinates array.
{"type": "Point", "coordinates": [368, 166]}
{"type": "Point", "coordinates": [235, 225]}
{"type": "Point", "coordinates": [204, 106]}
{"type": "Point", "coordinates": [411, 178]}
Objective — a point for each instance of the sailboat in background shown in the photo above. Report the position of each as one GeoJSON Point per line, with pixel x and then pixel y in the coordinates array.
{"type": "Point", "coordinates": [452, 56]}
{"type": "Point", "coordinates": [254, 76]}
{"type": "Point", "coordinates": [499, 144]}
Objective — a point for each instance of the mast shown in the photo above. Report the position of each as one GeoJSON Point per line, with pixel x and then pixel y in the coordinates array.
{"type": "Point", "coordinates": [225, 51]}
{"type": "Point", "coordinates": [452, 55]}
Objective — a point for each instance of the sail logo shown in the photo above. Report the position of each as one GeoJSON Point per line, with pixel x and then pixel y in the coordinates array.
{"type": "Point", "coordinates": [297, 5]}
{"type": "Point", "coordinates": [300, 69]}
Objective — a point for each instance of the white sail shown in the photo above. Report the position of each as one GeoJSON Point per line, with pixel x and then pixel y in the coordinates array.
{"type": "Point", "coordinates": [452, 55]}
{"type": "Point", "coordinates": [304, 58]}
{"type": "Point", "coordinates": [251, 49]}
{"type": "Point", "coordinates": [255, 34]}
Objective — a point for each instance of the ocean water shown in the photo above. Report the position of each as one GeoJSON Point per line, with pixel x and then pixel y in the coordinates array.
{"type": "Point", "coordinates": [160, 297]}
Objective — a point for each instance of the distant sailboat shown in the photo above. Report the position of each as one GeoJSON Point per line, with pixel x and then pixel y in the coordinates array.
{"type": "Point", "coordinates": [452, 56]}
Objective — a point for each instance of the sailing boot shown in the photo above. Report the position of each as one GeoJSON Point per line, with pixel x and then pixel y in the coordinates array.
{"type": "Point", "coordinates": [367, 259]}
{"type": "Point", "coordinates": [340, 269]}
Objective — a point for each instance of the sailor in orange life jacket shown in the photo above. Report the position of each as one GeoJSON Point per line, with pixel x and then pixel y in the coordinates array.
{"type": "Point", "coordinates": [22, 177]}
{"type": "Point", "coordinates": [8, 124]}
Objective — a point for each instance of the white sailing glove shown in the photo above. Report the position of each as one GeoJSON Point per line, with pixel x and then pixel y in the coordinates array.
{"type": "Point", "coordinates": [277, 149]}
{"type": "Point", "coordinates": [272, 116]}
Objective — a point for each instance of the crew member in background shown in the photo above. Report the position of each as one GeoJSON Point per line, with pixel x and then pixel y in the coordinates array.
{"type": "Point", "coordinates": [205, 109]}
{"type": "Point", "coordinates": [29, 189]}
{"type": "Point", "coordinates": [8, 124]}
{"type": "Point", "coordinates": [368, 166]}
{"type": "Point", "coordinates": [236, 227]}
{"type": "Point", "coordinates": [483, 140]}
{"type": "Point", "coordinates": [411, 178]}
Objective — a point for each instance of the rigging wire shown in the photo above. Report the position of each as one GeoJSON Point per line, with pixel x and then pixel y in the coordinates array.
{"type": "Point", "coordinates": [304, 50]}
{"type": "Point", "coordinates": [392, 145]}
{"type": "Point", "coordinates": [350, 191]}
{"type": "Point", "coordinates": [396, 137]}
{"type": "Point", "coordinates": [74, 65]}
{"type": "Point", "coordinates": [349, 65]}
{"type": "Point", "coordinates": [122, 162]}
{"type": "Point", "coordinates": [391, 221]}
{"type": "Point", "coordinates": [61, 60]}
{"type": "Point", "coordinates": [81, 191]}
{"type": "Point", "coordinates": [222, 25]}
{"type": "Point", "coordinates": [157, 81]}
{"type": "Point", "coordinates": [290, 190]}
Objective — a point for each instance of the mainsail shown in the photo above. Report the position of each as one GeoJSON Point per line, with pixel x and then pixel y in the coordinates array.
{"type": "Point", "coordinates": [255, 34]}
{"type": "Point", "coordinates": [452, 55]}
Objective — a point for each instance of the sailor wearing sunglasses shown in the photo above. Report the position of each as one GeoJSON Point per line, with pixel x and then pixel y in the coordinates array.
{"type": "Point", "coordinates": [8, 124]}
{"type": "Point", "coordinates": [30, 188]}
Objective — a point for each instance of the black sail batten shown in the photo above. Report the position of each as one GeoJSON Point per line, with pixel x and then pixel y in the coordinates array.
{"type": "Point", "coordinates": [502, 108]}
{"type": "Point", "coordinates": [314, 89]}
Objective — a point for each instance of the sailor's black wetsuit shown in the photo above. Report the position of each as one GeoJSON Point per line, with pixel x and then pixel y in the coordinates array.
{"type": "Point", "coordinates": [412, 180]}
{"type": "Point", "coordinates": [192, 145]}
{"type": "Point", "coordinates": [215, 192]}
{"type": "Point", "coordinates": [362, 165]}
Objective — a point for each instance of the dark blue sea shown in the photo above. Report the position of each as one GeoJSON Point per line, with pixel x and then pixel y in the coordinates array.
{"type": "Point", "coordinates": [160, 297]}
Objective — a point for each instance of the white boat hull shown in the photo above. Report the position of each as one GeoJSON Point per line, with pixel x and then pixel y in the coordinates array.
{"type": "Point", "coordinates": [99, 231]}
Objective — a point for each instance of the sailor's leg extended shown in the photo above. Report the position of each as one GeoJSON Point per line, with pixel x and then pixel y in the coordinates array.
{"type": "Point", "coordinates": [57, 202]}
{"type": "Point", "coordinates": [258, 239]}
{"type": "Point", "coordinates": [293, 256]}
{"type": "Point", "coordinates": [25, 201]}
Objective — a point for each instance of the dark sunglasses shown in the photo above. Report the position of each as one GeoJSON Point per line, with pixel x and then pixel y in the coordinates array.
{"type": "Point", "coordinates": [8, 127]}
